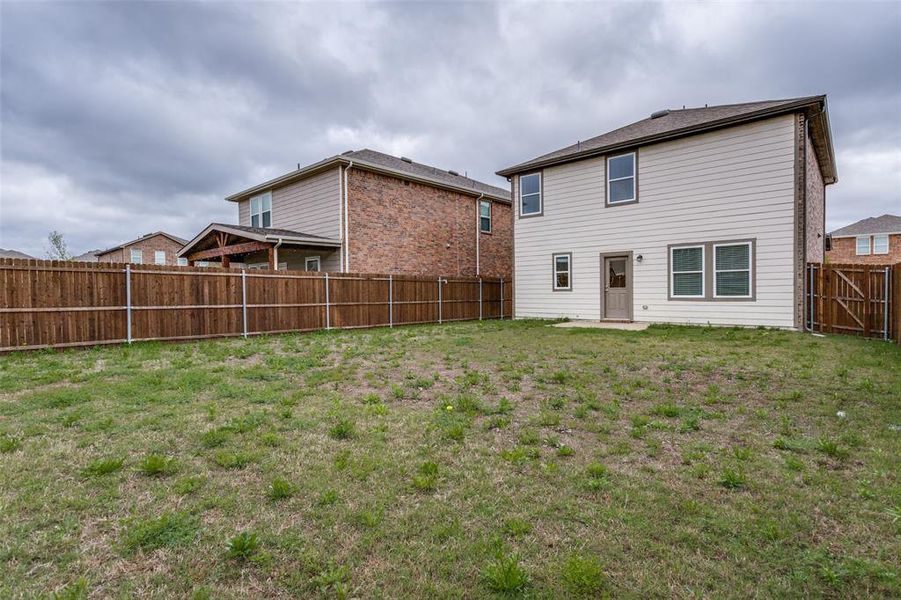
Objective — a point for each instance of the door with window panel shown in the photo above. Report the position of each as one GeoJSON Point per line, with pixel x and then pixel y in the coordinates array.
{"type": "Point", "coordinates": [617, 288]}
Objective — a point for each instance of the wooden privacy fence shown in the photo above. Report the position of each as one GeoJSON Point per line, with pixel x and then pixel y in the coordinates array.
{"type": "Point", "coordinates": [53, 304]}
{"type": "Point", "coordinates": [854, 299]}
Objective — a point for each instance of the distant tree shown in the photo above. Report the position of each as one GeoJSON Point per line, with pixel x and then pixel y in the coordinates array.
{"type": "Point", "coordinates": [58, 249]}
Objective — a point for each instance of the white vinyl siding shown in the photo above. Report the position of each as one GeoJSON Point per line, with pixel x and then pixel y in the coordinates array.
{"type": "Point", "coordinates": [880, 243]}
{"type": "Point", "coordinates": [863, 245]}
{"type": "Point", "coordinates": [732, 184]}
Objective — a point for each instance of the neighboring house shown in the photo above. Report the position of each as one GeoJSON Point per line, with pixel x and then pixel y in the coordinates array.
{"type": "Point", "coordinates": [157, 248]}
{"type": "Point", "coordinates": [366, 212]}
{"type": "Point", "coordinates": [89, 256]}
{"type": "Point", "coordinates": [699, 215]}
{"type": "Point", "coordinates": [13, 254]}
{"type": "Point", "coordinates": [873, 240]}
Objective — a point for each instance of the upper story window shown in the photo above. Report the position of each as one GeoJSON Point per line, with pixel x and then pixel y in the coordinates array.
{"type": "Point", "coordinates": [530, 195]}
{"type": "Point", "coordinates": [687, 272]}
{"type": "Point", "coordinates": [261, 210]}
{"type": "Point", "coordinates": [159, 257]}
{"type": "Point", "coordinates": [485, 216]}
{"type": "Point", "coordinates": [621, 186]}
{"type": "Point", "coordinates": [863, 245]}
{"type": "Point", "coordinates": [137, 257]}
{"type": "Point", "coordinates": [732, 270]}
{"type": "Point", "coordinates": [880, 243]}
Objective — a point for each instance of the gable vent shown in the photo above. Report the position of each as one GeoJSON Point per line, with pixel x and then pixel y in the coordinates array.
{"type": "Point", "coordinates": [660, 113]}
{"type": "Point", "coordinates": [454, 173]}
{"type": "Point", "coordinates": [405, 159]}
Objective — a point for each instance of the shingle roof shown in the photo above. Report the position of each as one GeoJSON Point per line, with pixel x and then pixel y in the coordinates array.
{"type": "Point", "coordinates": [13, 254]}
{"type": "Point", "coordinates": [144, 237]}
{"type": "Point", "coordinates": [883, 224]}
{"type": "Point", "coordinates": [269, 231]}
{"type": "Point", "coordinates": [425, 171]}
{"type": "Point", "coordinates": [665, 125]}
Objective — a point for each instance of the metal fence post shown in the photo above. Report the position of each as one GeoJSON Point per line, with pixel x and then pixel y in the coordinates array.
{"type": "Point", "coordinates": [502, 298]}
{"type": "Point", "coordinates": [480, 298]}
{"type": "Point", "coordinates": [128, 302]}
{"type": "Point", "coordinates": [244, 300]}
{"type": "Point", "coordinates": [439, 300]}
{"type": "Point", "coordinates": [390, 301]}
{"type": "Point", "coordinates": [328, 323]}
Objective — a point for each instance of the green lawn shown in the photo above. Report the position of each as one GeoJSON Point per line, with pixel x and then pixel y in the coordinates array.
{"type": "Point", "coordinates": [455, 460]}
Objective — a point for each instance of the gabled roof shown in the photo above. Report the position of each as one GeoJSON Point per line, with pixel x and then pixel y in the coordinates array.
{"type": "Point", "coordinates": [379, 162]}
{"type": "Point", "coordinates": [174, 238]}
{"type": "Point", "coordinates": [261, 234]}
{"type": "Point", "coordinates": [883, 224]}
{"type": "Point", "coordinates": [13, 254]}
{"type": "Point", "coordinates": [670, 124]}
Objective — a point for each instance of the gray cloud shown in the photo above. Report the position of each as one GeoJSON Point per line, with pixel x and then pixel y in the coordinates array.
{"type": "Point", "coordinates": [123, 117]}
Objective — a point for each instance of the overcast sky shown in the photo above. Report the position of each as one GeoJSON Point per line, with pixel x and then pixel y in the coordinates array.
{"type": "Point", "coordinates": [120, 118]}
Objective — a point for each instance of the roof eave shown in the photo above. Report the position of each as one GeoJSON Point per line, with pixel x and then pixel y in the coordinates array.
{"type": "Point", "coordinates": [675, 134]}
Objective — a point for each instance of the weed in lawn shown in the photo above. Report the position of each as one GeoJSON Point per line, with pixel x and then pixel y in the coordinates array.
{"type": "Point", "coordinates": [742, 453]}
{"type": "Point", "coordinates": [344, 429]}
{"type": "Point", "coordinates": [426, 477]}
{"type": "Point", "coordinates": [732, 479]}
{"type": "Point", "coordinates": [103, 466]}
{"type": "Point", "coordinates": [280, 489]}
{"type": "Point", "coordinates": [547, 419]}
{"type": "Point", "coordinates": [668, 410]}
{"type": "Point", "coordinates": [77, 590]}
{"type": "Point", "coordinates": [327, 498]}
{"type": "Point", "coordinates": [517, 528]}
{"type": "Point", "coordinates": [529, 437]}
{"type": "Point", "coordinates": [9, 444]}
{"type": "Point", "coordinates": [189, 485]}
{"type": "Point", "coordinates": [595, 477]}
{"type": "Point", "coordinates": [582, 575]}
{"type": "Point", "coordinates": [565, 451]}
{"type": "Point", "coordinates": [497, 422]}
{"type": "Point", "coordinates": [167, 530]}
{"type": "Point", "coordinates": [242, 546]}
{"type": "Point", "coordinates": [232, 460]}
{"type": "Point", "coordinates": [157, 465]}
{"type": "Point", "coordinates": [372, 398]}
{"type": "Point", "coordinates": [505, 575]}
{"type": "Point", "coordinates": [214, 438]}
{"type": "Point", "coordinates": [832, 448]}
{"type": "Point", "coordinates": [333, 581]}
{"type": "Point", "coordinates": [689, 424]}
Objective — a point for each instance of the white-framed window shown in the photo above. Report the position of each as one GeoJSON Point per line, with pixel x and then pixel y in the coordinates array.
{"type": "Point", "coordinates": [137, 257]}
{"type": "Point", "coordinates": [562, 264]}
{"type": "Point", "coordinates": [880, 243]}
{"type": "Point", "coordinates": [202, 263]}
{"type": "Point", "coordinates": [530, 195]}
{"type": "Point", "coordinates": [261, 210]}
{"type": "Point", "coordinates": [621, 178]}
{"type": "Point", "coordinates": [863, 245]}
{"type": "Point", "coordinates": [182, 261]}
{"type": "Point", "coordinates": [687, 271]}
{"type": "Point", "coordinates": [485, 216]}
{"type": "Point", "coordinates": [311, 263]}
{"type": "Point", "coordinates": [732, 270]}
{"type": "Point", "coordinates": [159, 257]}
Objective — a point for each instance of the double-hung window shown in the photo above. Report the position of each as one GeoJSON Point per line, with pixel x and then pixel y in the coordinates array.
{"type": "Point", "coordinates": [311, 263]}
{"type": "Point", "coordinates": [563, 272]}
{"type": "Point", "coordinates": [137, 257]}
{"type": "Point", "coordinates": [159, 257]}
{"type": "Point", "coordinates": [485, 216]}
{"type": "Point", "coordinates": [880, 243]}
{"type": "Point", "coordinates": [182, 261]}
{"type": "Point", "coordinates": [732, 270]}
{"type": "Point", "coordinates": [863, 245]}
{"type": "Point", "coordinates": [687, 272]}
{"type": "Point", "coordinates": [621, 178]}
{"type": "Point", "coordinates": [261, 210]}
{"type": "Point", "coordinates": [530, 195]}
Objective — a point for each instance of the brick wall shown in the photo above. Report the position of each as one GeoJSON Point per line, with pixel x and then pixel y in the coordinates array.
{"type": "Point", "coordinates": [397, 226]}
{"type": "Point", "coordinates": [844, 250]}
{"type": "Point", "coordinates": [147, 247]}
{"type": "Point", "coordinates": [816, 207]}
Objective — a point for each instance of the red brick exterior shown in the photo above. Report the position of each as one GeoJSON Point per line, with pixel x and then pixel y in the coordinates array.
{"type": "Point", "coordinates": [147, 246]}
{"type": "Point", "coordinates": [397, 226]}
{"type": "Point", "coordinates": [844, 250]}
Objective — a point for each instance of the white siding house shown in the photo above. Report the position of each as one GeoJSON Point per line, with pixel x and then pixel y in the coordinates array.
{"type": "Point", "coordinates": [734, 184]}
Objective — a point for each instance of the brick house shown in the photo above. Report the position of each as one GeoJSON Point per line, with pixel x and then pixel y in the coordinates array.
{"type": "Point", "coordinates": [366, 212]}
{"type": "Point", "coordinates": [874, 240]}
{"type": "Point", "coordinates": [159, 248]}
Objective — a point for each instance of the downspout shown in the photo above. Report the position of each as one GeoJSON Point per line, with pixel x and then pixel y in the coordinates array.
{"type": "Point", "coordinates": [478, 229]}
{"type": "Point", "coordinates": [275, 254]}
{"type": "Point", "coordinates": [345, 240]}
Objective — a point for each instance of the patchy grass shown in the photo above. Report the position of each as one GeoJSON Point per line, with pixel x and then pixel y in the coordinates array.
{"type": "Point", "coordinates": [463, 460]}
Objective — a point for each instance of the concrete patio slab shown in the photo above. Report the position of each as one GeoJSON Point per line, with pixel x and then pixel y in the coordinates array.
{"type": "Point", "coordinates": [604, 325]}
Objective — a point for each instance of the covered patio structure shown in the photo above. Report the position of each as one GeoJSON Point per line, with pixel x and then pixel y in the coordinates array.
{"type": "Point", "coordinates": [261, 248]}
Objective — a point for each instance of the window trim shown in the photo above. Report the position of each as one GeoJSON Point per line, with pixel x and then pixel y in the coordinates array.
{"type": "Point", "coordinates": [857, 251]}
{"type": "Point", "coordinates": [261, 198]}
{"type": "Point", "coordinates": [540, 211]}
{"type": "Point", "coordinates": [156, 257]}
{"type": "Point", "coordinates": [489, 217]}
{"type": "Point", "coordinates": [708, 271]}
{"type": "Point", "coordinates": [569, 271]}
{"type": "Point", "coordinates": [181, 261]}
{"type": "Point", "coordinates": [887, 243]}
{"type": "Point", "coordinates": [703, 272]}
{"type": "Point", "coordinates": [750, 270]}
{"type": "Point", "coordinates": [634, 178]}
{"type": "Point", "coordinates": [136, 252]}
{"type": "Point", "coordinates": [306, 263]}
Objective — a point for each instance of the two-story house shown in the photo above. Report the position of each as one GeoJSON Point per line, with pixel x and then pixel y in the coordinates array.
{"type": "Point", "coordinates": [157, 248]}
{"type": "Point", "coordinates": [874, 240]}
{"type": "Point", "coordinates": [699, 215]}
{"type": "Point", "coordinates": [366, 212]}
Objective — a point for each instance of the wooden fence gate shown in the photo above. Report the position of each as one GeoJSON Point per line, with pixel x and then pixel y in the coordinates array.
{"type": "Point", "coordinates": [854, 299]}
